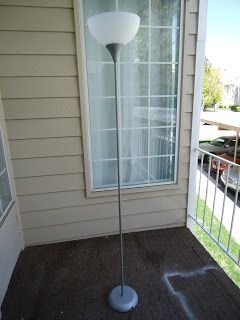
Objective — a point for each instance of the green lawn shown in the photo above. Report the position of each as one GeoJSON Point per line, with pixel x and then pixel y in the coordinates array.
{"type": "Point", "coordinates": [217, 253]}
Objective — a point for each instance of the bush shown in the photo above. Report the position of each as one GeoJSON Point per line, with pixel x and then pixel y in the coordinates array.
{"type": "Point", "coordinates": [235, 108]}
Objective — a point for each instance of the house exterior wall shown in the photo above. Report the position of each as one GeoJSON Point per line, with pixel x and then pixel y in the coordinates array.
{"type": "Point", "coordinates": [11, 238]}
{"type": "Point", "coordinates": [40, 91]}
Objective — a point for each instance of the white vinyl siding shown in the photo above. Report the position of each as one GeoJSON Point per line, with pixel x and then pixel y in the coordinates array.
{"type": "Point", "coordinates": [47, 141]}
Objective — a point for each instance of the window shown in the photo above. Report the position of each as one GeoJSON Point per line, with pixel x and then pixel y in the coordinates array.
{"type": "Point", "coordinates": [149, 84]}
{"type": "Point", "coordinates": [219, 142]}
{"type": "Point", "coordinates": [5, 193]}
{"type": "Point", "coordinates": [230, 143]}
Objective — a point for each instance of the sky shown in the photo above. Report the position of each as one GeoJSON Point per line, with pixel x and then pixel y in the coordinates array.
{"type": "Point", "coordinates": [223, 35]}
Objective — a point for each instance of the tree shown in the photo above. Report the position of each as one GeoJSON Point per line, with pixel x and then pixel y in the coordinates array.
{"type": "Point", "coordinates": [212, 86]}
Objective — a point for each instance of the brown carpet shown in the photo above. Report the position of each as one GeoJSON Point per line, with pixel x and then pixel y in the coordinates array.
{"type": "Point", "coordinates": [173, 274]}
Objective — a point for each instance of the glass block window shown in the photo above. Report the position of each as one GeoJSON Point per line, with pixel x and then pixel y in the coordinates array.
{"type": "Point", "coordinates": [149, 93]}
{"type": "Point", "coordinates": [5, 193]}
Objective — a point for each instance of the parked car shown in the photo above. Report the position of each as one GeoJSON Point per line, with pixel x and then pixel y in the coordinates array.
{"type": "Point", "coordinates": [218, 146]}
{"type": "Point", "coordinates": [232, 179]}
{"type": "Point", "coordinates": [228, 156]}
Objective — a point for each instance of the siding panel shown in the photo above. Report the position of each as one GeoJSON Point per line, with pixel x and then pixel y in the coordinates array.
{"type": "Point", "coordinates": [39, 3]}
{"type": "Point", "coordinates": [188, 121]}
{"type": "Point", "coordinates": [43, 128]}
{"type": "Point", "coordinates": [193, 23]}
{"type": "Point", "coordinates": [187, 138]}
{"type": "Point", "coordinates": [190, 84]}
{"type": "Point", "coordinates": [193, 5]}
{"type": "Point", "coordinates": [70, 231]}
{"type": "Point", "coordinates": [52, 201]}
{"type": "Point", "coordinates": [37, 43]}
{"type": "Point", "coordinates": [39, 87]}
{"type": "Point", "coordinates": [80, 214]}
{"type": "Point", "coordinates": [37, 65]}
{"type": "Point", "coordinates": [188, 105]}
{"type": "Point", "coordinates": [155, 204]}
{"type": "Point", "coordinates": [150, 220]}
{"type": "Point", "coordinates": [186, 154]}
{"type": "Point", "coordinates": [36, 19]}
{"type": "Point", "coordinates": [191, 66]}
{"type": "Point", "coordinates": [41, 108]}
{"type": "Point", "coordinates": [51, 147]}
{"type": "Point", "coordinates": [69, 199]}
{"type": "Point", "coordinates": [191, 44]}
{"type": "Point", "coordinates": [101, 227]}
{"type": "Point", "coordinates": [54, 183]}
{"type": "Point", "coordinates": [47, 166]}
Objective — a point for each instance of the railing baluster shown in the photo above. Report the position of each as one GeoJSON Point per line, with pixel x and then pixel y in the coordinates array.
{"type": "Point", "coordinates": [199, 186]}
{"type": "Point", "coordinates": [225, 193]}
{"type": "Point", "coordinates": [208, 176]}
{"type": "Point", "coordinates": [215, 192]}
{"type": "Point", "coordinates": [234, 210]}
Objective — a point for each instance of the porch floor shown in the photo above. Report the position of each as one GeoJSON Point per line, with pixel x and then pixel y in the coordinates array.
{"type": "Point", "coordinates": [173, 274]}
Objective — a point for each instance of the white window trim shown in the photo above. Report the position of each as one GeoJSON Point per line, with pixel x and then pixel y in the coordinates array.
{"type": "Point", "coordinates": [14, 201]}
{"type": "Point", "coordinates": [11, 202]}
{"type": "Point", "coordinates": [85, 123]}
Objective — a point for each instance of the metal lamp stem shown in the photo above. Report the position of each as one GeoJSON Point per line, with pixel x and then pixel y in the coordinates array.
{"type": "Point", "coordinates": [115, 50]}
{"type": "Point", "coordinates": [119, 171]}
{"type": "Point", "coordinates": [122, 298]}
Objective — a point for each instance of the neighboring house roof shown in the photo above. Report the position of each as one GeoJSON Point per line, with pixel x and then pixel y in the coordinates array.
{"type": "Point", "coordinates": [226, 120]}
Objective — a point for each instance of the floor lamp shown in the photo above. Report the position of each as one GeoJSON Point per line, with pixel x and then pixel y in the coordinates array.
{"type": "Point", "coordinates": [114, 30]}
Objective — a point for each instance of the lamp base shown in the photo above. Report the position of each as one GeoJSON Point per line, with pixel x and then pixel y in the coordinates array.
{"type": "Point", "coordinates": [123, 303]}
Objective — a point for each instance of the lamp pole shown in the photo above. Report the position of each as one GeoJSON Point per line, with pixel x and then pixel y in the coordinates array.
{"type": "Point", "coordinates": [122, 298]}
{"type": "Point", "coordinates": [114, 30]}
{"type": "Point", "coordinates": [115, 50]}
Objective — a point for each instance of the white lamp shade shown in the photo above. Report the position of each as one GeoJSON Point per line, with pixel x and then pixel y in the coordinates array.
{"type": "Point", "coordinates": [114, 27]}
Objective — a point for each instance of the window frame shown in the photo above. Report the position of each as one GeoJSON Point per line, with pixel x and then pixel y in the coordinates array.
{"type": "Point", "coordinates": [11, 202]}
{"type": "Point", "coordinates": [85, 117]}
